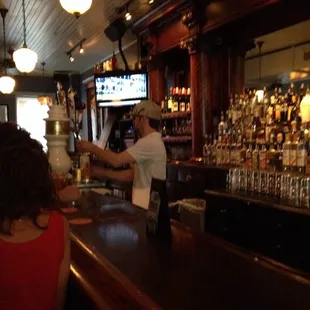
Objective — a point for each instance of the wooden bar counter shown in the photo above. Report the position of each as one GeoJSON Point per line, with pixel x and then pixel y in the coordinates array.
{"type": "Point", "coordinates": [119, 268]}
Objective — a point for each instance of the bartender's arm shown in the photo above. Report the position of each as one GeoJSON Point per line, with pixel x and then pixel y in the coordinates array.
{"type": "Point", "coordinates": [115, 160]}
{"type": "Point", "coordinates": [120, 176]}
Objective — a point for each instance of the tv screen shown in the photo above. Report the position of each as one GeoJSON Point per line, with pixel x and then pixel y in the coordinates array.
{"type": "Point", "coordinates": [121, 89]}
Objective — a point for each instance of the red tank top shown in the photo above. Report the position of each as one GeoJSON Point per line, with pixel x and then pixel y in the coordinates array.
{"type": "Point", "coordinates": [29, 271]}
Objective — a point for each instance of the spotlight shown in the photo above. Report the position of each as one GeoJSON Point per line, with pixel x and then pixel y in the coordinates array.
{"type": "Point", "coordinates": [127, 15]}
{"type": "Point", "coordinates": [71, 58]}
{"type": "Point", "coordinates": [81, 49]}
{"type": "Point", "coordinates": [151, 1]}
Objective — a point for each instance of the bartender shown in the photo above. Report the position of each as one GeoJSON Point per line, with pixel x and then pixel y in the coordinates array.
{"type": "Point", "coordinates": [147, 156]}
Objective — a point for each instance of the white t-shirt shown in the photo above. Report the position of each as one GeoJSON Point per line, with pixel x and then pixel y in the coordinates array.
{"type": "Point", "coordinates": [150, 155]}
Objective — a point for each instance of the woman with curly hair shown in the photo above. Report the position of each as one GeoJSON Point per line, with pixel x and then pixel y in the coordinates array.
{"type": "Point", "coordinates": [34, 236]}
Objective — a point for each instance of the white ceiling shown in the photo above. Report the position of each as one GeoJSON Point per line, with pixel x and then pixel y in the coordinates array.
{"type": "Point", "coordinates": [285, 37]}
{"type": "Point", "coordinates": [51, 31]}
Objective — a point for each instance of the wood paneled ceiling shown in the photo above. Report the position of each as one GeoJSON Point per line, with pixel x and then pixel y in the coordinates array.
{"type": "Point", "coordinates": [51, 31]}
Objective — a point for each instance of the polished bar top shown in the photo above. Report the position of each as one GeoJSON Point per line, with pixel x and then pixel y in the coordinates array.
{"type": "Point", "coordinates": [193, 272]}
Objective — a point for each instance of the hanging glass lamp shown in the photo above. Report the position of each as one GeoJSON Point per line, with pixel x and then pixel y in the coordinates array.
{"type": "Point", "coordinates": [25, 59]}
{"type": "Point", "coordinates": [76, 7]}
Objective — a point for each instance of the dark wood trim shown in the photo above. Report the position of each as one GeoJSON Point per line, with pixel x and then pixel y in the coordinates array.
{"type": "Point", "coordinates": [259, 200]}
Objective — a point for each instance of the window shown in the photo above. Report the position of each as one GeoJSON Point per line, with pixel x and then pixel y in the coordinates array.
{"type": "Point", "coordinates": [30, 116]}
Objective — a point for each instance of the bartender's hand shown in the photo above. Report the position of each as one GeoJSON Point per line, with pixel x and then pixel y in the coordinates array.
{"type": "Point", "coordinates": [69, 193]}
{"type": "Point", "coordinates": [84, 146]}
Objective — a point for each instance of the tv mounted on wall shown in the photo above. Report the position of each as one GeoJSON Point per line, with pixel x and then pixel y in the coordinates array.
{"type": "Point", "coordinates": [121, 88]}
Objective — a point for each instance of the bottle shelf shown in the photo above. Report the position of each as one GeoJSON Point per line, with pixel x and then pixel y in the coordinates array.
{"type": "Point", "coordinates": [175, 115]}
{"type": "Point", "coordinates": [177, 139]}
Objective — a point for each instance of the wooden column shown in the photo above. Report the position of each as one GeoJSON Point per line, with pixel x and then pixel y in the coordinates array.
{"type": "Point", "coordinates": [196, 103]}
{"type": "Point", "coordinates": [157, 84]}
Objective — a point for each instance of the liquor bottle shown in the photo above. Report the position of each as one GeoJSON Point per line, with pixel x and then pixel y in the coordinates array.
{"type": "Point", "coordinates": [221, 126]}
{"type": "Point", "coordinates": [170, 101]}
{"type": "Point", "coordinates": [295, 114]}
{"type": "Point", "coordinates": [256, 125]}
{"type": "Point", "coordinates": [279, 101]}
{"type": "Point", "coordinates": [301, 155]}
{"type": "Point", "coordinates": [207, 150]}
{"type": "Point", "coordinates": [180, 99]}
{"type": "Point", "coordinates": [263, 158]}
{"type": "Point", "coordinates": [286, 153]}
{"type": "Point", "coordinates": [188, 100]}
{"type": "Point", "coordinates": [238, 152]}
{"type": "Point", "coordinates": [219, 153]}
{"type": "Point", "coordinates": [175, 100]}
{"type": "Point", "coordinates": [291, 101]}
{"type": "Point", "coordinates": [183, 100]}
{"type": "Point", "coordinates": [232, 148]}
{"type": "Point", "coordinates": [255, 157]}
{"type": "Point", "coordinates": [243, 155]}
{"type": "Point", "coordinates": [278, 157]}
{"type": "Point", "coordinates": [214, 153]}
{"type": "Point", "coordinates": [284, 110]}
{"type": "Point", "coordinates": [249, 163]}
{"type": "Point", "coordinates": [293, 153]}
{"type": "Point", "coordinates": [270, 158]}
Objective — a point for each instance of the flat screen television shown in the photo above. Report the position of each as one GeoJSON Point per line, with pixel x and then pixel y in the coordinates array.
{"type": "Point", "coordinates": [115, 89]}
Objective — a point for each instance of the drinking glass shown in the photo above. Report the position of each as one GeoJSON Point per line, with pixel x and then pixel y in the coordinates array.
{"type": "Point", "coordinates": [243, 180]}
{"type": "Point", "coordinates": [255, 181]}
{"type": "Point", "coordinates": [271, 186]}
{"type": "Point", "coordinates": [304, 196]}
{"type": "Point", "coordinates": [294, 190]}
{"type": "Point", "coordinates": [263, 183]}
{"type": "Point", "coordinates": [277, 188]}
{"type": "Point", "coordinates": [285, 184]}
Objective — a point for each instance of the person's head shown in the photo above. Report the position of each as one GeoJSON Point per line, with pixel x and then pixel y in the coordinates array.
{"type": "Point", "coordinates": [26, 185]}
{"type": "Point", "coordinates": [146, 117]}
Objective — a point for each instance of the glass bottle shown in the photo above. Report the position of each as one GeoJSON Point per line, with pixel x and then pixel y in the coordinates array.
{"type": "Point", "coordinates": [255, 158]}
{"type": "Point", "coordinates": [286, 153]}
{"type": "Point", "coordinates": [278, 104]}
{"type": "Point", "coordinates": [270, 158]}
{"type": "Point", "coordinates": [291, 101]}
{"type": "Point", "coordinates": [256, 125]}
{"type": "Point", "coordinates": [243, 155]}
{"type": "Point", "coordinates": [301, 155]}
{"type": "Point", "coordinates": [284, 111]}
{"type": "Point", "coordinates": [249, 152]}
{"type": "Point", "coordinates": [263, 157]}
{"type": "Point", "coordinates": [293, 153]}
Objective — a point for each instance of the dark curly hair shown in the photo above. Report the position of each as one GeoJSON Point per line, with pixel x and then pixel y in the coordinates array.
{"type": "Point", "coordinates": [26, 184]}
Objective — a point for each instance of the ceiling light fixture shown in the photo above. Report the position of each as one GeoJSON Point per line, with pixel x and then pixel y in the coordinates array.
{"type": "Point", "coordinates": [25, 59]}
{"type": "Point", "coordinates": [44, 100]}
{"type": "Point", "coordinates": [7, 84]}
{"type": "Point", "coordinates": [127, 15]}
{"type": "Point", "coordinates": [76, 7]}
{"type": "Point", "coordinates": [73, 49]}
{"type": "Point", "coordinates": [151, 1]}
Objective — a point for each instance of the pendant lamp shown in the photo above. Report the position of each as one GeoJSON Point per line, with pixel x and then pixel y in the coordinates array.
{"type": "Point", "coordinates": [76, 7]}
{"type": "Point", "coordinates": [7, 84]}
{"type": "Point", "coordinates": [44, 99]}
{"type": "Point", "coordinates": [25, 59]}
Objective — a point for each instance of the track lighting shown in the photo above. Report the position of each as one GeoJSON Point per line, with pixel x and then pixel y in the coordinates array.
{"type": "Point", "coordinates": [127, 15]}
{"type": "Point", "coordinates": [74, 48]}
